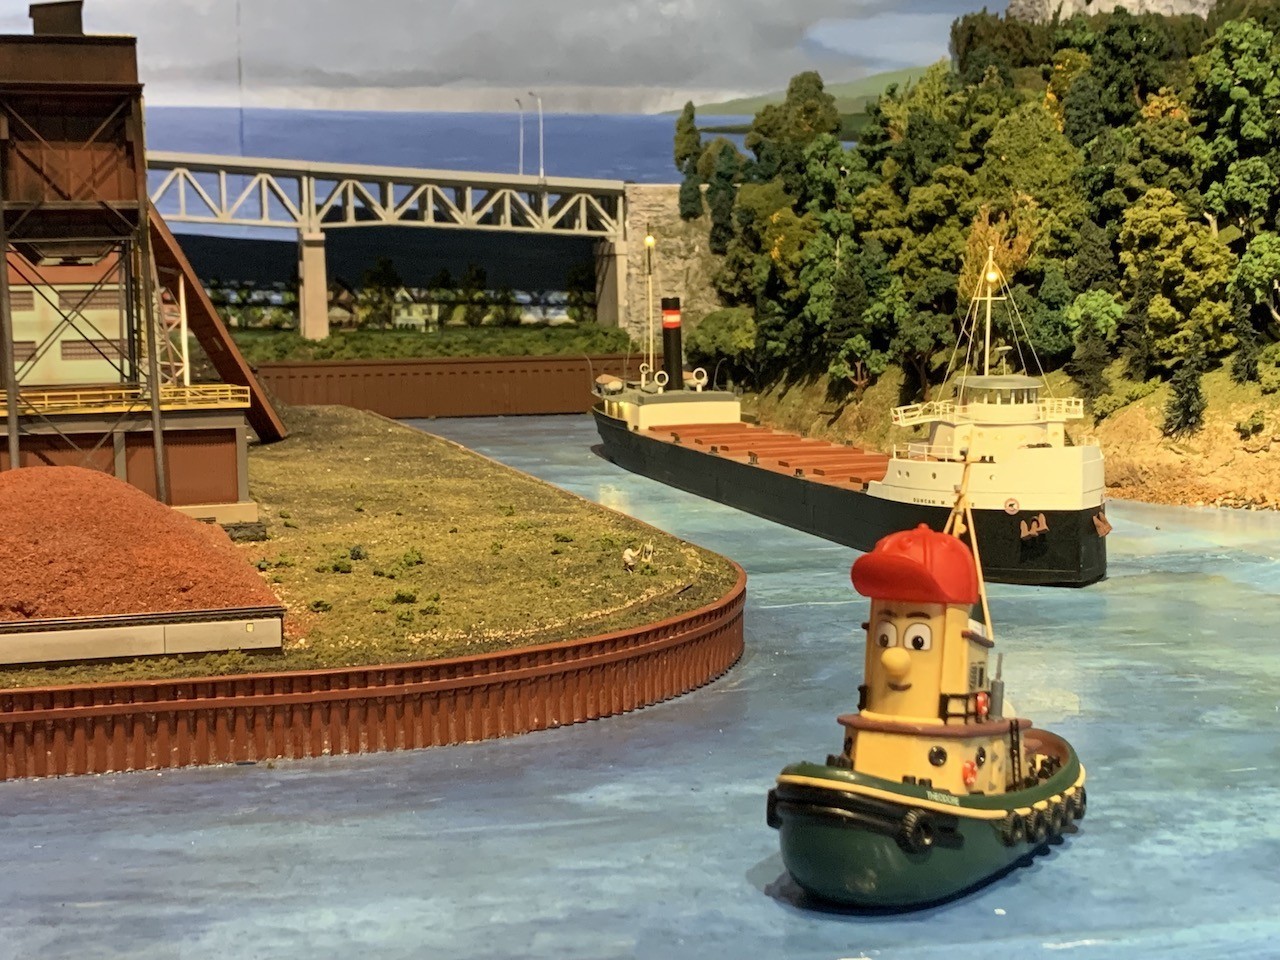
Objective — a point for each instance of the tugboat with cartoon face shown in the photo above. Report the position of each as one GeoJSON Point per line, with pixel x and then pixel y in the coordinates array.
{"type": "Point", "coordinates": [936, 789]}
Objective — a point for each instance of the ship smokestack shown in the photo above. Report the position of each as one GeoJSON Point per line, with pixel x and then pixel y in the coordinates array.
{"type": "Point", "coordinates": [672, 347]}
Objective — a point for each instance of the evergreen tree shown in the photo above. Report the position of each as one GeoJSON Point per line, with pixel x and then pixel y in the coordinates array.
{"type": "Point", "coordinates": [690, 197]}
{"type": "Point", "coordinates": [720, 197]}
{"type": "Point", "coordinates": [1093, 266]}
{"type": "Point", "coordinates": [688, 141]}
{"type": "Point", "coordinates": [850, 303]}
{"type": "Point", "coordinates": [1184, 413]}
{"type": "Point", "coordinates": [1244, 364]}
{"type": "Point", "coordinates": [1088, 364]}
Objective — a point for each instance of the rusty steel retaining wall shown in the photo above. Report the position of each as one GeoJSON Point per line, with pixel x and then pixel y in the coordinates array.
{"type": "Point", "coordinates": [149, 725]}
{"type": "Point", "coordinates": [447, 387]}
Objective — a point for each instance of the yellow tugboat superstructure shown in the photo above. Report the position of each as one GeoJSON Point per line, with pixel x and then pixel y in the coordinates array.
{"type": "Point", "coordinates": [936, 788]}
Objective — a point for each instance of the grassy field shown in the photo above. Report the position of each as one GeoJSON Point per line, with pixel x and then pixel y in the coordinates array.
{"type": "Point", "coordinates": [266, 346]}
{"type": "Point", "coordinates": [387, 545]}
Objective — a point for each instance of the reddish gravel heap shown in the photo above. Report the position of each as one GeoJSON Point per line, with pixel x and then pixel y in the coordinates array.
{"type": "Point", "coordinates": [76, 543]}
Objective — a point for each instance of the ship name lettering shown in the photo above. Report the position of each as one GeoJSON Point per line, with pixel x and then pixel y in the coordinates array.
{"type": "Point", "coordinates": [942, 798]}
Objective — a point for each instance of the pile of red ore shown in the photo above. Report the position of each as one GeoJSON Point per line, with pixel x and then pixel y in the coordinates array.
{"type": "Point", "coordinates": [80, 543]}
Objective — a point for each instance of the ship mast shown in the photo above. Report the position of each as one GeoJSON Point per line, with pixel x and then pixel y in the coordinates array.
{"type": "Point", "coordinates": [991, 276]}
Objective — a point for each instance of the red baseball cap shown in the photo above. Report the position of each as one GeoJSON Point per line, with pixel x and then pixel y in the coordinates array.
{"type": "Point", "coordinates": [918, 565]}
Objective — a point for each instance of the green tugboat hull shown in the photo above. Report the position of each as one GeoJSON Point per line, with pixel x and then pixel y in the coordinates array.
{"type": "Point", "coordinates": [859, 841]}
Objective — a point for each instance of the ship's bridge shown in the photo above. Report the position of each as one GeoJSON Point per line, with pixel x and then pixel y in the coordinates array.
{"type": "Point", "coordinates": [1003, 399]}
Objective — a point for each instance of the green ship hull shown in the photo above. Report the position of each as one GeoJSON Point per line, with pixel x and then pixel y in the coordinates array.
{"type": "Point", "coordinates": [858, 840]}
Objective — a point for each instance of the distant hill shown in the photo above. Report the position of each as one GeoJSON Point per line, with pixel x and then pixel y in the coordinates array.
{"type": "Point", "coordinates": [851, 97]}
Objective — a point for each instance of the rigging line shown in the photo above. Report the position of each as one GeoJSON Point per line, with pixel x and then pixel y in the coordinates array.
{"type": "Point", "coordinates": [1031, 347]}
{"type": "Point", "coordinates": [967, 329]}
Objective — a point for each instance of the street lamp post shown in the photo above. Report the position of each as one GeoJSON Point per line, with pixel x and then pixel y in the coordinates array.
{"type": "Point", "coordinates": [520, 107]}
{"type": "Point", "coordinates": [542, 175]}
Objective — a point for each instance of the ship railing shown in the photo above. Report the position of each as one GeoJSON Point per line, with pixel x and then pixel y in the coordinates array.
{"type": "Point", "coordinates": [917, 413]}
{"type": "Point", "coordinates": [924, 451]}
{"type": "Point", "coordinates": [1062, 408]}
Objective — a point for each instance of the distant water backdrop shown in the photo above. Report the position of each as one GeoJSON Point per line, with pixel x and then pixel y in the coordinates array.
{"type": "Point", "coordinates": [635, 147]}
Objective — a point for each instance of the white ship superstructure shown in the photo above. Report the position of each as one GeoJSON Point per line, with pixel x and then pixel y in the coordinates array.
{"type": "Point", "coordinates": [1015, 438]}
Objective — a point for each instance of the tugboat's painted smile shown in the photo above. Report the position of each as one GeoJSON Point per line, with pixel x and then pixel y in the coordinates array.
{"type": "Point", "coordinates": [900, 687]}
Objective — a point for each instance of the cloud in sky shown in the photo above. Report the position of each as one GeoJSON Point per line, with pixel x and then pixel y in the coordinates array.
{"type": "Point", "coordinates": [430, 53]}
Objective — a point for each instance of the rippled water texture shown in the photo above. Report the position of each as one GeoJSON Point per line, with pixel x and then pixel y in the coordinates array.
{"type": "Point", "coordinates": [644, 835]}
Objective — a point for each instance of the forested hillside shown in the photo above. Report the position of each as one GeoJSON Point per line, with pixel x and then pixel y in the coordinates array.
{"type": "Point", "coordinates": [1126, 169]}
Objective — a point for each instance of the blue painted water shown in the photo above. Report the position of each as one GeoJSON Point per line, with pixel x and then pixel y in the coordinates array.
{"type": "Point", "coordinates": [634, 147]}
{"type": "Point", "coordinates": [644, 836]}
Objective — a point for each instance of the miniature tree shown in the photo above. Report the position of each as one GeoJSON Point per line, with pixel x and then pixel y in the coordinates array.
{"type": "Point", "coordinates": [1184, 413]}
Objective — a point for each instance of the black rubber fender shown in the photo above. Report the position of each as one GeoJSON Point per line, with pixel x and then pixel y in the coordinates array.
{"type": "Point", "coordinates": [1013, 830]}
{"type": "Point", "coordinates": [1079, 803]}
{"type": "Point", "coordinates": [1058, 816]}
{"type": "Point", "coordinates": [915, 834]}
{"type": "Point", "coordinates": [1037, 826]}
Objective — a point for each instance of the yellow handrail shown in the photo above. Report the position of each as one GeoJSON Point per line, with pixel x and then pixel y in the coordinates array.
{"type": "Point", "coordinates": [123, 399]}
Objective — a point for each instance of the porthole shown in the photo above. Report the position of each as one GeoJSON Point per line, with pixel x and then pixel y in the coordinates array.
{"type": "Point", "coordinates": [937, 756]}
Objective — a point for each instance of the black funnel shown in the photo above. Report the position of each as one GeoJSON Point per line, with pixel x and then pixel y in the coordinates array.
{"type": "Point", "coordinates": [672, 347]}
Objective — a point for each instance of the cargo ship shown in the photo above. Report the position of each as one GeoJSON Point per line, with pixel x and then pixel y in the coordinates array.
{"type": "Point", "coordinates": [1038, 500]}
{"type": "Point", "coordinates": [940, 786]}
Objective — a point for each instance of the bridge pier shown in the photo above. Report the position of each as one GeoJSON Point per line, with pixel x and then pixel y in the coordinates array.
{"type": "Point", "coordinates": [313, 286]}
{"type": "Point", "coordinates": [611, 282]}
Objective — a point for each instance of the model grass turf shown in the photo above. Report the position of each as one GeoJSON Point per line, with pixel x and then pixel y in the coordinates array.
{"type": "Point", "coordinates": [388, 545]}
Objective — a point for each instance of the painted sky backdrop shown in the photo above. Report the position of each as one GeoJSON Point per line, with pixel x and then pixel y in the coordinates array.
{"type": "Point", "coordinates": [580, 55]}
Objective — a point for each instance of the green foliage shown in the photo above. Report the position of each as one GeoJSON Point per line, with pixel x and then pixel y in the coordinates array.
{"type": "Point", "coordinates": [527, 340]}
{"type": "Point", "coordinates": [1108, 404]}
{"type": "Point", "coordinates": [1253, 426]}
{"type": "Point", "coordinates": [725, 337]}
{"type": "Point", "coordinates": [358, 552]}
{"type": "Point", "coordinates": [1244, 363]}
{"type": "Point", "coordinates": [376, 299]}
{"type": "Point", "coordinates": [1093, 264]}
{"type": "Point", "coordinates": [1184, 271]}
{"type": "Point", "coordinates": [691, 207]}
{"type": "Point", "coordinates": [806, 112]}
{"type": "Point", "coordinates": [473, 296]}
{"type": "Point", "coordinates": [1088, 365]}
{"type": "Point", "coordinates": [1184, 413]}
{"type": "Point", "coordinates": [1094, 153]}
{"type": "Point", "coordinates": [581, 283]}
{"type": "Point", "coordinates": [688, 141]}
{"type": "Point", "coordinates": [404, 596]}
{"type": "Point", "coordinates": [1095, 312]}
{"type": "Point", "coordinates": [721, 194]}
{"type": "Point", "coordinates": [1236, 101]}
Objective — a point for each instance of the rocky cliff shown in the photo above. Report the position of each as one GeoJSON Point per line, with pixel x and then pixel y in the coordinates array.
{"type": "Point", "coordinates": [1039, 10]}
{"type": "Point", "coordinates": [683, 264]}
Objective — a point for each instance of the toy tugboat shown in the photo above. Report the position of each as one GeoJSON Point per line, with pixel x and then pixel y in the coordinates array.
{"type": "Point", "coordinates": [937, 789]}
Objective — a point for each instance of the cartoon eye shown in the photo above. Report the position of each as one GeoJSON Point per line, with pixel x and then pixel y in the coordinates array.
{"type": "Point", "coordinates": [918, 637]}
{"type": "Point", "coordinates": [886, 634]}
